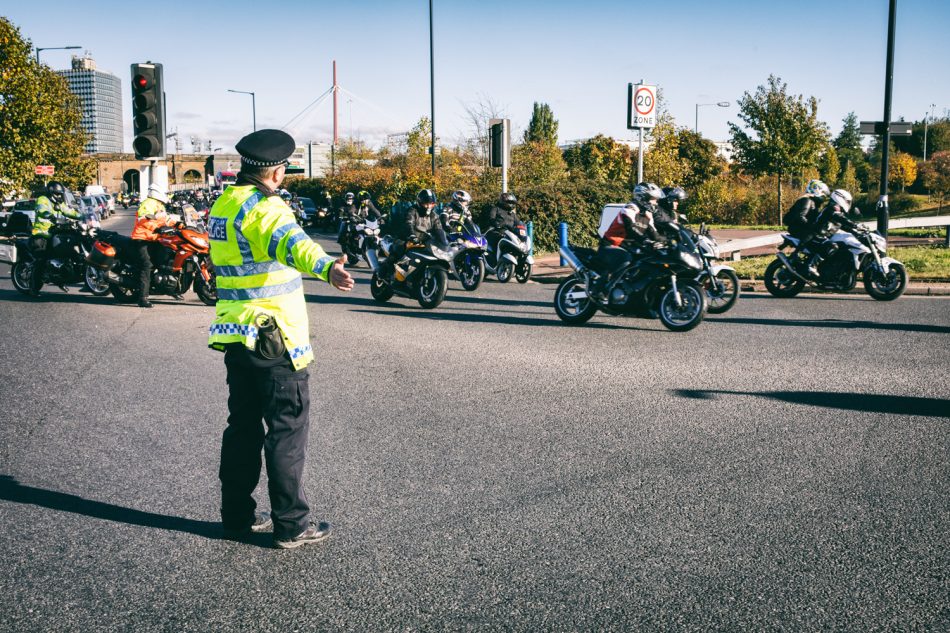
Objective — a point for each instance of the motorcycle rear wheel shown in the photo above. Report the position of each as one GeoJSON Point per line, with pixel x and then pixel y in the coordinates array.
{"type": "Point", "coordinates": [523, 273]}
{"type": "Point", "coordinates": [886, 288]}
{"type": "Point", "coordinates": [380, 290]}
{"type": "Point", "coordinates": [430, 290]}
{"type": "Point", "coordinates": [781, 283]}
{"type": "Point", "coordinates": [503, 271]}
{"type": "Point", "coordinates": [22, 276]}
{"type": "Point", "coordinates": [690, 313]}
{"type": "Point", "coordinates": [724, 296]}
{"type": "Point", "coordinates": [573, 311]}
{"type": "Point", "coordinates": [96, 281]}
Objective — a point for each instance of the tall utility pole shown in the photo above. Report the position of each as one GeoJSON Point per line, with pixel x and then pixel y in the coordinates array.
{"type": "Point", "coordinates": [882, 209]}
{"type": "Point", "coordinates": [927, 117]}
{"type": "Point", "coordinates": [336, 91]}
{"type": "Point", "coordinates": [432, 87]}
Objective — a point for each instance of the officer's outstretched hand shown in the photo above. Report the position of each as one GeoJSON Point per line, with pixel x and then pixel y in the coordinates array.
{"type": "Point", "coordinates": [339, 277]}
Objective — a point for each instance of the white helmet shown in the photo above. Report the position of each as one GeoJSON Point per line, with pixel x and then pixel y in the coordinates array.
{"type": "Point", "coordinates": [842, 198]}
{"type": "Point", "coordinates": [647, 192]}
{"type": "Point", "coordinates": [154, 191]}
{"type": "Point", "coordinates": [817, 188]}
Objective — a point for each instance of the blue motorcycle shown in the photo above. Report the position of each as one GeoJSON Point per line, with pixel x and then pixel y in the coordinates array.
{"type": "Point", "coordinates": [467, 248]}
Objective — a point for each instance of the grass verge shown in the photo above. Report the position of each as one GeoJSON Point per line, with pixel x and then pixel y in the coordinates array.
{"type": "Point", "coordinates": [924, 263]}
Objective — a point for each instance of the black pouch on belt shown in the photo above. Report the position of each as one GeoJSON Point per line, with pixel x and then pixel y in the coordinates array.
{"type": "Point", "coordinates": [270, 340]}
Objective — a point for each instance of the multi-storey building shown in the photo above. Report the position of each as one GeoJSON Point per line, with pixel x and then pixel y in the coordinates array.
{"type": "Point", "coordinates": [100, 94]}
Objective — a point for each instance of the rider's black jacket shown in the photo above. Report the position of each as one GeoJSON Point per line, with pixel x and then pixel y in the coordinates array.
{"type": "Point", "coordinates": [830, 220]}
{"type": "Point", "coordinates": [500, 218]}
{"type": "Point", "coordinates": [415, 222]}
{"type": "Point", "coordinates": [348, 212]}
{"type": "Point", "coordinates": [368, 211]}
{"type": "Point", "coordinates": [802, 218]}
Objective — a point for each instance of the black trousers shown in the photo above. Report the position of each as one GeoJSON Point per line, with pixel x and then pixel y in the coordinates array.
{"type": "Point", "coordinates": [265, 393]}
{"type": "Point", "coordinates": [145, 267]}
{"type": "Point", "coordinates": [40, 246]}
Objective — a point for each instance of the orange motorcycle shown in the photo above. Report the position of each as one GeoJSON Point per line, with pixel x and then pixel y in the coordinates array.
{"type": "Point", "coordinates": [180, 260]}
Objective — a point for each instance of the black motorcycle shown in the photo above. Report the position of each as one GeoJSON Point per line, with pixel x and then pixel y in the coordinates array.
{"type": "Point", "coordinates": [421, 274]}
{"type": "Point", "coordinates": [63, 257]}
{"type": "Point", "coordinates": [657, 282]}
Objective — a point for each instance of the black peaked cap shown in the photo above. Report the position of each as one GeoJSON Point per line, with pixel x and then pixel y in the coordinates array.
{"type": "Point", "coordinates": [265, 148]}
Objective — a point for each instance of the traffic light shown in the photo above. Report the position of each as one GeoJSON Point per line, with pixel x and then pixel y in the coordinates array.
{"type": "Point", "coordinates": [148, 111]}
{"type": "Point", "coordinates": [498, 142]}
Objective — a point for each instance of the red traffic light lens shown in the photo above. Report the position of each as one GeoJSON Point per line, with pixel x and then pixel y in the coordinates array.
{"type": "Point", "coordinates": [140, 81]}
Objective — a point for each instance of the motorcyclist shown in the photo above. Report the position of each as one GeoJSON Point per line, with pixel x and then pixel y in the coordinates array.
{"type": "Point", "coordinates": [802, 217]}
{"type": "Point", "coordinates": [49, 208]}
{"type": "Point", "coordinates": [151, 215]}
{"type": "Point", "coordinates": [457, 211]}
{"type": "Point", "coordinates": [631, 231]}
{"type": "Point", "coordinates": [419, 223]}
{"type": "Point", "coordinates": [346, 214]}
{"type": "Point", "coordinates": [831, 218]}
{"type": "Point", "coordinates": [367, 210]}
{"type": "Point", "coordinates": [502, 217]}
{"type": "Point", "coordinates": [667, 210]}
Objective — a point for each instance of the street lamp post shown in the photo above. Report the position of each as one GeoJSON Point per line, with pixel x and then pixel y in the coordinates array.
{"type": "Point", "coordinates": [721, 104]}
{"type": "Point", "coordinates": [432, 87]}
{"type": "Point", "coordinates": [927, 118]}
{"type": "Point", "coordinates": [253, 105]}
{"type": "Point", "coordinates": [53, 48]}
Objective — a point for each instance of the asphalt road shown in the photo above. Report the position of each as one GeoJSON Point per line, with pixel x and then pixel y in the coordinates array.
{"type": "Point", "coordinates": [782, 467]}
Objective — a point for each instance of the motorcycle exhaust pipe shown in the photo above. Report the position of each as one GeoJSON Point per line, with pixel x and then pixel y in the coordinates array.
{"type": "Point", "coordinates": [788, 265]}
{"type": "Point", "coordinates": [571, 258]}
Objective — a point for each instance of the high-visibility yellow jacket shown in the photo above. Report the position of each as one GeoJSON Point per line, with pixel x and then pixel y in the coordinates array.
{"type": "Point", "coordinates": [257, 250]}
{"type": "Point", "coordinates": [46, 213]}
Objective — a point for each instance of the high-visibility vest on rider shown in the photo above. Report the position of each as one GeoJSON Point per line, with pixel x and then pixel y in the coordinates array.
{"type": "Point", "coordinates": [151, 215]}
{"type": "Point", "coordinates": [46, 213]}
{"type": "Point", "coordinates": [257, 249]}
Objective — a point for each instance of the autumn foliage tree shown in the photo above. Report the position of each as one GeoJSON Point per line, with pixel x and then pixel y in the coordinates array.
{"type": "Point", "coordinates": [40, 119]}
{"type": "Point", "coordinates": [901, 170]}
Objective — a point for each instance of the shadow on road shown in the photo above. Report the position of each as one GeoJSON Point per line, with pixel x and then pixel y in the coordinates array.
{"type": "Point", "coordinates": [469, 317]}
{"type": "Point", "coordinates": [471, 298]}
{"type": "Point", "coordinates": [12, 490]}
{"type": "Point", "coordinates": [75, 296]}
{"type": "Point", "coordinates": [834, 323]}
{"type": "Point", "coordinates": [869, 403]}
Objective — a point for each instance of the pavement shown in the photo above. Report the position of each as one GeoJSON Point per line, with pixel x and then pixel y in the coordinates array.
{"type": "Point", "coordinates": [783, 466]}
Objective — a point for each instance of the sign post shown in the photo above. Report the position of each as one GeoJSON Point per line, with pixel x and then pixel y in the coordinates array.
{"type": "Point", "coordinates": [641, 114]}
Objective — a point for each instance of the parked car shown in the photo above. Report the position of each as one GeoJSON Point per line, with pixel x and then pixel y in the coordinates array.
{"type": "Point", "coordinates": [103, 199]}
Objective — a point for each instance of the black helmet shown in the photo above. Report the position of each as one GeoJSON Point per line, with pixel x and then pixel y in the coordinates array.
{"type": "Point", "coordinates": [56, 189]}
{"type": "Point", "coordinates": [507, 201]}
{"type": "Point", "coordinates": [426, 196]}
{"type": "Point", "coordinates": [671, 195]}
{"type": "Point", "coordinates": [363, 196]}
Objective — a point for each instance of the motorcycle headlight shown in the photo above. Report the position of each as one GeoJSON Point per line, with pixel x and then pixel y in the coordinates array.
{"type": "Point", "coordinates": [441, 254]}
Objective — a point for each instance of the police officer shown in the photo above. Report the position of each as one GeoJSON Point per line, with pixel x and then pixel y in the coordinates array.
{"type": "Point", "coordinates": [150, 216]}
{"type": "Point", "coordinates": [261, 325]}
{"type": "Point", "coordinates": [48, 208]}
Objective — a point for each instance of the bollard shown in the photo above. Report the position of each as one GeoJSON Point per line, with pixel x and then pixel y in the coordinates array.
{"type": "Point", "coordinates": [946, 239]}
{"type": "Point", "coordinates": [562, 238]}
{"type": "Point", "coordinates": [530, 228]}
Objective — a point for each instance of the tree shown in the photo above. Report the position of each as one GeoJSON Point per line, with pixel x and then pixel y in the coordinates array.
{"type": "Point", "coordinates": [662, 164]}
{"type": "Point", "coordinates": [40, 119]}
{"type": "Point", "coordinates": [536, 165]}
{"type": "Point", "coordinates": [784, 137]}
{"type": "Point", "coordinates": [901, 170]}
{"type": "Point", "coordinates": [700, 158]}
{"type": "Point", "coordinates": [938, 138]}
{"type": "Point", "coordinates": [543, 126]}
{"type": "Point", "coordinates": [935, 174]}
{"type": "Point", "coordinates": [849, 180]}
{"type": "Point", "coordinates": [600, 158]}
{"type": "Point", "coordinates": [828, 166]}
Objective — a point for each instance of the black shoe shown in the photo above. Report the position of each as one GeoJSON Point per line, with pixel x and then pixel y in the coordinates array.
{"type": "Point", "coordinates": [314, 534]}
{"type": "Point", "coordinates": [262, 523]}
{"type": "Point", "coordinates": [145, 303]}
{"type": "Point", "coordinates": [178, 298]}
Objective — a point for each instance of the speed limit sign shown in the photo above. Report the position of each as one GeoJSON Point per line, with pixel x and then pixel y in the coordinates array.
{"type": "Point", "coordinates": [641, 106]}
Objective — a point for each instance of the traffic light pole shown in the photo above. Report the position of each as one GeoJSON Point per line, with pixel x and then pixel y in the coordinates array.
{"type": "Point", "coordinates": [882, 207]}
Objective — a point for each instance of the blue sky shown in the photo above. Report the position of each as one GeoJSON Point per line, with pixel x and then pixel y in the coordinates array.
{"type": "Point", "coordinates": [578, 56]}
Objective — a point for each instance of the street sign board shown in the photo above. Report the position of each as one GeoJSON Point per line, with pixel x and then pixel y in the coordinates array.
{"type": "Point", "coordinates": [44, 170]}
{"type": "Point", "coordinates": [898, 128]}
{"type": "Point", "coordinates": [641, 106]}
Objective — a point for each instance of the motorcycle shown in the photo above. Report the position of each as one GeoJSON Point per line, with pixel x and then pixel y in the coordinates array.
{"type": "Point", "coordinates": [467, 248]}
{"type": "Point", "coordinates": [360, 240]}
{"type": "Point", "coordinates": [66, 257]}
{"type": "Point", "coordinates": [657, 283]}
{"type": "Point", "coordinates": [184, 263]}
{"type": "Point", "coordinates": [421, 274]}
{"type": "Point", "coordinates": [720, 281]}
{"type": "Point", "coordinates": [846, 253]}
{"type": "Point", "coordinates": [512, 254]}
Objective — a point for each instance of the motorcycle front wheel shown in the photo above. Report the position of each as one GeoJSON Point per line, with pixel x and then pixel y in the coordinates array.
{"type": "Point", "coordinates": [722, 291]}
{"type": "Point", "coordinates": [431, 288]}
{"type": "Point", "coordinates": [571, 310]}
{"type": "Point", "coordinates": [886, 287]}
{"type": "Point", "coordinates": [471, 273]}
{"type": "Point", "coordinates": [22, 276]}
{"type": "Point", "coordinates": [781, 283]}
{"type": "Point", "coordinates": [503, 270]}
{"type": "Point", "coordinates": [97, 281]}
{"type": "Point", "coordinates": [689, 313]}
{"type": "Point", "coordinates": [207, 291]}
{"type": "Point", "coordinates": [523, 272]}
{"type": "Point", "coordinates": [380, 290]}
